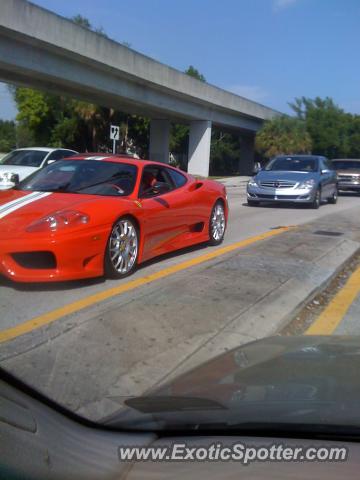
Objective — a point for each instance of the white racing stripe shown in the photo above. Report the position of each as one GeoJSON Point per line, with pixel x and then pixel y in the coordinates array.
{"type": "Point", "coordinates": [14, 205]}
{"type": "Point", "coordinates": [7, 205]}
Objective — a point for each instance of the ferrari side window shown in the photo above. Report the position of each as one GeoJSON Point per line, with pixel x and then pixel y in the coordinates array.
{"type": "Point", "coordinates": [155, 181]}
{"type": "Point", "coordinates": [178, 179]}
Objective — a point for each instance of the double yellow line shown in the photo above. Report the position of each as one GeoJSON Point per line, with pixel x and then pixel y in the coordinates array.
{"type": "Point", "coordinates": [49, 317]}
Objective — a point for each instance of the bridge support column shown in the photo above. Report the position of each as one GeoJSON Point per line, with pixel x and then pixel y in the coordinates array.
{"type": "Point", "coordinates": [159, 140]}
{"type": "Point", "coordinates": [199, 147]}
{"type": "Point", "coordinates": [247, 155]}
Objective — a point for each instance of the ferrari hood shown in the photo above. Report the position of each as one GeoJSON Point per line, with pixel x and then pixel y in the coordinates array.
{"type": "Point", "coordinates": [19, 209]}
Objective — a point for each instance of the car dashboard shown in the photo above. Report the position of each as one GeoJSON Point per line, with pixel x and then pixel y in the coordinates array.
{"type": "Point", "coordinates": [39, 442]}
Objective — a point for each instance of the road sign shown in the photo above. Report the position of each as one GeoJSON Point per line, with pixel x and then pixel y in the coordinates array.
{"type": "Point", "coordinates": [114, 132]}
{"type": "Point", "coordinates": [114, 135]}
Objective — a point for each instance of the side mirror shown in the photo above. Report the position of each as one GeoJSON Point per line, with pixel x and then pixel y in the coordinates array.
{"type": "Point", "coordinates": [324, 171]}
{"type": "Point", "coordinates": [257, 168]}
{"type": "Point", "coordinates": [15, 179]}
{"type": "Point", "coordinates": [49, 162]}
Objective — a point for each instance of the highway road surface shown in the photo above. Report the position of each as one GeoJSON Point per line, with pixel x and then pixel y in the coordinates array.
{"type": "Point", "coordinates": [19, 303]}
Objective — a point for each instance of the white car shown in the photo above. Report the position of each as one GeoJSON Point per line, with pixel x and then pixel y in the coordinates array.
{"type": "Point", "coordinates": [21, 163]}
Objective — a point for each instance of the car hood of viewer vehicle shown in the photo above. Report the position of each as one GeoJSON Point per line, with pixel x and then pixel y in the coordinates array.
{"type": "Point", "coordinates": [20, 170]}
{"type": "Point", "coordinates": [269, 175]}
{"type": "Point", "coordinates": [295, 380]}
{"type": "Point", "coordinates": [19, 209]}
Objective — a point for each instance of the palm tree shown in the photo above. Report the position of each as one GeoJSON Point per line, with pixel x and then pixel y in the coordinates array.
{"type": "Point", "coordinates": [283, 135]}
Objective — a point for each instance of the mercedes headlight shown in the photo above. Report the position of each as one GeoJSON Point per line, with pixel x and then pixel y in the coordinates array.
{"type": "Point", "coordinates": [252, 182]}
{"type": "Point", "coordinates": [308, 184]}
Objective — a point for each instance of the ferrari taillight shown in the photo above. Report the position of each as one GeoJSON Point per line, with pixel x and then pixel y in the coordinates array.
{"type": "Point", "coordinates": [59, 220]}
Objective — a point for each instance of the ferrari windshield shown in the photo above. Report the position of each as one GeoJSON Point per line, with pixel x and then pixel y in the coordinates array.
{"type": "Point", "coordinates": [25, 158]}
{"type": "Point", "coordinates": [83, 176]}
{"type": "Point", "coordinates": [346, 164]}
{"type": "Point", "coordinates": [293, 164]}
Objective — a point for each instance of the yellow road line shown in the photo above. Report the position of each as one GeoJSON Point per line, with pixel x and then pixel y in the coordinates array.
{"type": "Point", "coordinates": [46, 318]}
{"type": "Point", "coordinates": [332, 315]}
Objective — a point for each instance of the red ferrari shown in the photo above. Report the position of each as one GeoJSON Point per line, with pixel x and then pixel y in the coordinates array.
{"type": "Point", "coordinates": [86, 216]}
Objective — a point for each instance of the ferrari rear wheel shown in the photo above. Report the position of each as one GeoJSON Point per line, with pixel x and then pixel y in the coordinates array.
{"type": "Point", "coordinates": [217, 224]}
{"type": "Point", "coordinates": [122, 249]}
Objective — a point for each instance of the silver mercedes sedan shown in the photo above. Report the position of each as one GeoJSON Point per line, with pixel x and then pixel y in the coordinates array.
{"type": "Point", "coordinates": [307, 179]}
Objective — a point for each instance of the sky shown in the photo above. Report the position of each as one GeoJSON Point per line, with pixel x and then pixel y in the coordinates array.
{"type": "Point", "coordinates": [270, 51]}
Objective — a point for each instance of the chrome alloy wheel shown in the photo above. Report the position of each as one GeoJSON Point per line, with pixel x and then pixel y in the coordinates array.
{"type": "Point", "coordinates": [217, 223]}
{"type": "Point", "coordinates": [123, 246]}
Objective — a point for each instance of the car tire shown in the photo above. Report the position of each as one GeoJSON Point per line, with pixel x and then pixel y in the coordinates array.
{"type": "Point", "coordinates": [252, 203]}
{"type": "Point", "coordinates": [315, 204]}
{"type": "Point", "coordinates": [122, 249]}
{"type": "Point", "coordinates": [334, 197]}
{"type": "Point", "coordinates": [217, 223]}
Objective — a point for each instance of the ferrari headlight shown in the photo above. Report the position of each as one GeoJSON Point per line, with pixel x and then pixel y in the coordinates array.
{"type": "Point", "coordinates": [59, 220]}
{"type": "Point", "coordinates": [9, 177]}
{"type": "Point", "coordinates": [252, 182]}
{"type": "Point", "coordinates": [308, 184]}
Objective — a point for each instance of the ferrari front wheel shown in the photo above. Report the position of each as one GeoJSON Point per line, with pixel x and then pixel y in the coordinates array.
{"type": "Point", "coordinates": [122, 249]}
{"type": "Point", "coordinates": [217, 224]}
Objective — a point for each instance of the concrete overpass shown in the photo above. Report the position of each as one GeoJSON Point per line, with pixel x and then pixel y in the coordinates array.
{"type": "Point", "coordinates": [43, 50]}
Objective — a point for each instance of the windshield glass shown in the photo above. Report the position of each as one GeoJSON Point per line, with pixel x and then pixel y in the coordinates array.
{"type": "Point", "coordinates": [25, 158]}
{"type": "Point", "coordinates": [346, 165]}
{"type": "Point", "coordinates": [174, 271]}
{"type": "Point", "coordinates": [271, 382]}
{"type": "Point", "coordinates": [83, 176]}
{"type": "Point", "coordinates": [293, 164]}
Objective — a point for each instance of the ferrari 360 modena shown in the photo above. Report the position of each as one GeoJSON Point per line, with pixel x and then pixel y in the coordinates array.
{"type": "Point", "coordinates": [88, 216]}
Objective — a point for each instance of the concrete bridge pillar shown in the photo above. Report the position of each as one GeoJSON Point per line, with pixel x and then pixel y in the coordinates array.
{"type": "Point", "coordinates": [159, 140]}
{"type": "Point", "coordinates": [247, 155]}
{"type": "Point", "coordinates": [199, 147]}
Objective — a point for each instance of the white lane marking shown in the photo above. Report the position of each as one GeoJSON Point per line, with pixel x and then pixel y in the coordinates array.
{"type": "Point", "coordinates": [15, 205]}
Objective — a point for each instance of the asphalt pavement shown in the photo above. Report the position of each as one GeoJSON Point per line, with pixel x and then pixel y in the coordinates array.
{"type": "Point", "coordinates": [350, 324]}
{"type": "Point", "coordinates": [178, 311]}
{"type": "Point", "coordinates": [20, 302]}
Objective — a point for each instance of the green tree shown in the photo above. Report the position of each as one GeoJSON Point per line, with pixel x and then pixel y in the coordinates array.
{"type": "Point", "coordinates": [194, 72]}
{"type": "Point", "coordinates": [353, 136]}
{"type": "Point", "coordinates": [7, 136]}
{"type": "Point", "coordinates": [328, 125]}
{"type": "Point", "coordinates": [34, 113]}
{"type": "Point", "coordinates": [283, 135]}
{"type": "Point", "coordinates": [224, 153]}
{"type": "Point", "coordinates": [84, 22]}
{"type": "Point", "coordinates": [58, 121]}
{"type": "Point", "coordinates": [45, 119]}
